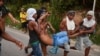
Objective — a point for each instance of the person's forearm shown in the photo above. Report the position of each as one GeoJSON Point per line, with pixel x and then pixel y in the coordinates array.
{"type": "Point", "coordinates": [53, 30]}
{"type": "Point", "coordinates": [73, 35]}
{"type": "Point", "coordinates": [51, 27]}
{"type": "Point", "coordinates": [6, 36]}
{"type": "Point", "coordinates": [42, 18]}
{"type": "Point", "coordinates": [91, 30]}
{"type": "Point", "coordinates": [11, 17]}
{"type": "Point", "coordinates": [76, 29]}
{"type": "Point", "coordinates": [88, 31]}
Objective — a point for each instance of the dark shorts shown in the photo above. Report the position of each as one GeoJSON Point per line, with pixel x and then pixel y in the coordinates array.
{"type": "Point", "coordinates": [24, 25]}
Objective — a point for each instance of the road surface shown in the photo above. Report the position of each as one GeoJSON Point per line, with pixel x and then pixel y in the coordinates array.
{"type": "Point", "coordinates": [10, 49]}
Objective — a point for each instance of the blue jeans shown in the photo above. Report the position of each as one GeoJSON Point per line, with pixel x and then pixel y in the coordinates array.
{"type": "Point", "coordinates": [59, 39]}
{"type": "Point", "coordinates": [36, 50]}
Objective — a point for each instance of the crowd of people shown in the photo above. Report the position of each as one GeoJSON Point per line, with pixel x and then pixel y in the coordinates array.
{"type": "Point", "coordinates": [35, 21]}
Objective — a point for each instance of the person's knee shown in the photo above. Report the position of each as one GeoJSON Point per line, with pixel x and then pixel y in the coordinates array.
{"type": "Point", "coordinates": [88, 47]}
{"type": "Point", "coordinates": [65, 52]}
{"type": "Point", "coordinates": [67, 47]}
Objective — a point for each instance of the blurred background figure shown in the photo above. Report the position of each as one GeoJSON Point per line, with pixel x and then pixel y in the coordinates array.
{"type": "Point", "coordinates": [23, 20]}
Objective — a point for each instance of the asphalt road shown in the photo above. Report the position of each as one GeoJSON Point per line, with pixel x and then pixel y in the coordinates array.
{"type": "Point", "coordinates": [10, 49]}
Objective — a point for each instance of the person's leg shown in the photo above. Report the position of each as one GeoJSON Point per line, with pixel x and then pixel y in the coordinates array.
{"type": "Point", "coordinates": [72, 47]}
{"type": "Point", "coordinates": [44, 49]}
{"type": "Point", "coordinates": [30, 54]}
{"type": "Point", "coordinates": [87, 50]}
{"type": "Point", "coordinates": [79, 43]}
{"type": "Point", "coordinates": [26, 48]}
{"type": "Point", "coordinates": [88, 44]}
{"type": "Point", "coordinates": [55, 45]}
{"type": "Point", "coordinates": [46, 39]}
{"type": "Point", "coordinates": [25, 27]}
{"type": "Point", "coordinates": [67, 48]}
{"type": "Point", "coordinates": [61, 34]}
{"type": "Point", "coordinates": [59, 40]}
{"type": "Point", "coordinates": [0, 49]}
{"type": "Point", "coordinates": [36, 50]}
{"type": "Point", "coordinates": [2, 29]}
{"type": "Point", "coordinates": [66, 53]}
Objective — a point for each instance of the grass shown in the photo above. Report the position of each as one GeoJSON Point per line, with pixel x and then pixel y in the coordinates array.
{"type": "Point", "coordinates": [95, 39]}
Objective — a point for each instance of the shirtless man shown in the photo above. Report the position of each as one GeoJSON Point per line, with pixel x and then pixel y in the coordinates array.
{"type": "Point", "coordinates": [44, 25]}
{"type": "Point", "coordinates": [69, 25]}
{"type": "Point", "coordinates": [3, 34]}
{"type": "Point", "coordinates": [48, 40]}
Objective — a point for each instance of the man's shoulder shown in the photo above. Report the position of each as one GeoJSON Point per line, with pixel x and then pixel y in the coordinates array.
{"type": "Point", "coordinates": [64, 20]}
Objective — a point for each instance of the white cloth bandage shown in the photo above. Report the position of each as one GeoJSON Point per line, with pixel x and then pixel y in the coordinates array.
{"type": "Point", "coordinates": [91, 13]}
{"type": "Point", "coordinates": [70, 24]}
{"type": "Point", "coordinates": [30, 13]}
{"type": "Point", "coordinates": [91, 22]}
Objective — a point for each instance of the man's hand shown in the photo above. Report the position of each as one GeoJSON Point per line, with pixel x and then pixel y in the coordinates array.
{"type": "Point", "coordinates": [19, 44]}
{"type": "Point", "coordinates": [12, 18]}
{"type": "Point", "coordinates": [16, 21]}
{"type": "Point", "coordinates": [71, 32]}
{"type": "Point", "coordinates": [81, 31]}
{"type": "Point", "coordinates": [47, 14]}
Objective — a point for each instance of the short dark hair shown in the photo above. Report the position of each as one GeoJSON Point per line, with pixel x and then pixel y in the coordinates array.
{"type": "Point", "coordinates": [44, 8]}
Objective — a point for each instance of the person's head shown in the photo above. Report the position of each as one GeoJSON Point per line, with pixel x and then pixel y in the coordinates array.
{"type": "Point", "coordinates": [71, 14]}
{"type": "Point", "coordinates": [90, 15]}
{"type": "Point", "coordinates": [22, 9]}
{"type": "Point", "coordinates": [31, 13]}
{"type": "Point", "coordinates": [1, 2]}
{"type": "Point", "coordinates": [40, 12]}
